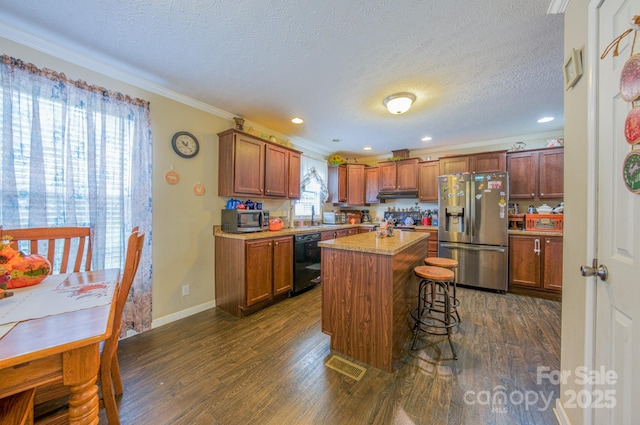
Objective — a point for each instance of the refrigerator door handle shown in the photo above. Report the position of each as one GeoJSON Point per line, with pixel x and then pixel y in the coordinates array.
{"type": "Point", "coordinates": [469, 221]}
{"type": "Point", "coordinates": [474, 247]}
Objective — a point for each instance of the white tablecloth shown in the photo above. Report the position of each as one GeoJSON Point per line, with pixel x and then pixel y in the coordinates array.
{"type": "Point", "coordinates": [50, 297]}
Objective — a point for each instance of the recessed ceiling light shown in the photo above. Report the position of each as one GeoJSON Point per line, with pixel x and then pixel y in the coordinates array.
{"type": "Point", "coordinates": [545, 119]}
{"type": "Point", "coordinates": [426, 139]}
{"type": "Point", "coordinates": [297, 120]}
{"type": "Point", "coordinates": [335, 140]}
{"type": "Point", "coordinates": [367, 148]}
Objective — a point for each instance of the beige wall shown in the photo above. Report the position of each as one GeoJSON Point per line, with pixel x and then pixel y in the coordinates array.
{"type": "Point", "coordinates": [575, 225]}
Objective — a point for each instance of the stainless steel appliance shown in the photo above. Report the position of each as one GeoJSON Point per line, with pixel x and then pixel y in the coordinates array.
{"type": "Point", "coordinates": [473, 227]}
{"type": "Point", "coordinates": [334, 218]}
{"type": "Point", "coordinates": [243, 221]}
{"type": "Point", "coordinates": [306, 260]}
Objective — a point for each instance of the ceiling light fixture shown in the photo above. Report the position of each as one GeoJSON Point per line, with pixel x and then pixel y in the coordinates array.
{"type": "Point", "coordinates": [545, 119]}
{"type": "Point", "coordinates": [367, 148]}
{"type": "Point", "coordinates": [399, 103]}
{"type": "Point", "coordinates": [297, 120]}
{"type": "Point", "coordinates": [426, 139]}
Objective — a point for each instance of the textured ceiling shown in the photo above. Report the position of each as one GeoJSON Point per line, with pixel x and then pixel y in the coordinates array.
{"type": "Point", "coordinates": [481, 69]}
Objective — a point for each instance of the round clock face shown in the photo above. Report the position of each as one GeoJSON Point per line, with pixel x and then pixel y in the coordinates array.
{"type": "Point", "coordinates": [185, 144]}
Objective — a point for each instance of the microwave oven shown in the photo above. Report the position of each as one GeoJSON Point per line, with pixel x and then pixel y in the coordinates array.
{"type": "Point", "coordinates": [243, 221]}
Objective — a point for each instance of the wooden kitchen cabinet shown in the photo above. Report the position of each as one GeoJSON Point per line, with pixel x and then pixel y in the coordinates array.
{"type": "Point", "coordinates": [355, 184]}
{"type": "Point", "coordinates": [398, 176]}
{"type": "Point", "coordinates": [428, 172]}
{"type": "Point", "coordinates": [371, 184]}
{"type": "Point", "coordinates": [535, 264]}
{"type": "Point", "coordinates": [432, 242]}
{"type": "Point", "coordinates": [486, 162]}
{"type": "Point", "coordinates": [250, 166]}
{"type": "Point", "coordinates": [346, 184]}
{"type": "Point", "coordinates": [294, 175]}
{"type": "Point", "coordinates": [251, 275]}
{"type": "Point", "coordinates": [536, 174]}
{"type": "Point", "coordinates": [338, 233]}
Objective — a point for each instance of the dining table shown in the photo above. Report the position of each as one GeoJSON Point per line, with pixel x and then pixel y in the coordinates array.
{"type": "Point", "coordinates": [50, 333]}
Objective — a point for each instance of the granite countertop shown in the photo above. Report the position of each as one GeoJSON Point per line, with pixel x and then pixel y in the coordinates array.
{"type": "Point", "coordinates": [217, 231]}
{"type": "Point", "coordinates": [369, 242]}
{"type": "Point", "coordinates": [533, 232]}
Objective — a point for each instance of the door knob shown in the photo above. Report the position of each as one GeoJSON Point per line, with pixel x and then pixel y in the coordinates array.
{"type": "Point", "coordinates": [601, 271]}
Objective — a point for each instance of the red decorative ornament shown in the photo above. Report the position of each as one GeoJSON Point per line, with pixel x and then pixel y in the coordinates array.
{"type": "Point", "coordinates": [632, 126]}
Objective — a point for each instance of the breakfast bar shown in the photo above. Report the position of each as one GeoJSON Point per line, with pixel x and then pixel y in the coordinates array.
{"type": "Point", "coordinates": [368, 288]}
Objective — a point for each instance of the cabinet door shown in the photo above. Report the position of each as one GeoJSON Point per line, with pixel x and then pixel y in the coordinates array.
{"type": "Point", "coordinates": [454, 165]}
{"type": "Point", "coordinates": [328, 235]}
{"type": "Point", "coordinates": [524, 262]}
{"type": "Point", "coordinates": [341, 233]}
{"type": "Point", "coordinates": [552, 264]}
{"type": "Point", "coordinates": [522, 168]}
{"type": "Point", "coordinates": [276, 171]}
{"type": "Point", "coordinates": [282, 265]}
{"type": "Point", "coordinates": [488, 162]}
{"type": "Point", "coordinates": [259, 270]}
{"type": "Point", "coordinates": [407, 174]}
{"type": "Point", "coordinates": [371, 184]}
{"type": "Point", "coordinates": [248, 166]}
{"type": "Point", "coordinates": [352, 231]}
{"type": "Point", "coordinates": [428, 181]}
{"type": "Point", "coordinates": [387, 175]}
{"type": "Point", "coordinates": [294, 175]}
{"type": "Point", "coordinates": [551, 174]}
{"type": "Point", "coordinates": [355, 184]}
{"type": "Point", "coordinates": [337, 183]}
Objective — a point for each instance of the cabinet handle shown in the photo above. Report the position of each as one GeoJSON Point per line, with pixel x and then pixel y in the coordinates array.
{"type": "Point", "coordinates": [533, 195]}
{"type": "Point", "coordinates": [536, 246]}
{"type": "Point", "coordinates": [269, 243]}
{"type": "Point", "coordinates": [276, 243]}
{"type": "Point", "coordinates": [541, 194]}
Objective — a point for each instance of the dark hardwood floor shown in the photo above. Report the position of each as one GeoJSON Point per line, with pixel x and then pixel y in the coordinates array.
{"type": "Point", "coordinates": [268, 368]}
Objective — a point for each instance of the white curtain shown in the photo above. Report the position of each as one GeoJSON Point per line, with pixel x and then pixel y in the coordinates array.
{"type": "Point", "coordinates": [78, 155]}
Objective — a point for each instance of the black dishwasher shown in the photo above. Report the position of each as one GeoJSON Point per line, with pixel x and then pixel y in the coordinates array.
{"type": "Point", "coordinates": [306, 259]}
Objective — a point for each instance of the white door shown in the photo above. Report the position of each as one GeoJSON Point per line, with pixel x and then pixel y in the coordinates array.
{"type": "Point", "coordinates": [616, 373]}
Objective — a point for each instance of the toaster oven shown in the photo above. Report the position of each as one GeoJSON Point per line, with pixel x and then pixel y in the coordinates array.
{"type": "Point", "coordinates": [334, 218]}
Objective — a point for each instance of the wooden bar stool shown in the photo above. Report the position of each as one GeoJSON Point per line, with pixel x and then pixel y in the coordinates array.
{"type": "Point", "coordinates": [448, 263]}
{"type": "Point", "coordinates": [429, 317]}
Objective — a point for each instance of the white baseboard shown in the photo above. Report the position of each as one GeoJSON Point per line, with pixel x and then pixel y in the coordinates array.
{"type": "Point", "coordinates": [182, 314]}
{"type": "Point", "coordinates": [561, 415]}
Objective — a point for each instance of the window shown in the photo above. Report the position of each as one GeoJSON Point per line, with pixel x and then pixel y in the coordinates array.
{"type": "Point", "coordinates": [75, 155]}
{"type": "Point", "coordinates": [313, 189]}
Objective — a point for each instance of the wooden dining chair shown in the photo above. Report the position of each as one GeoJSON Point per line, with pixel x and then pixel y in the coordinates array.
{"type": "Point", "coordinates": [48, 241]}
{"type": "Point", "coordinates": [48, 413]}
{"type": "Point", "coordinates": [17, 409]}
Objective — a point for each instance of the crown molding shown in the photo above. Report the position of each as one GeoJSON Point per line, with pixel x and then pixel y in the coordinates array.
{"type": "Point", "coordinates": [557, 6]}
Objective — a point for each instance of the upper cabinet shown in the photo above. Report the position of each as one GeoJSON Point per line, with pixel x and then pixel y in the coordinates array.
{"type": "Point", "coordinates": [536, 174]}
{"type": "Point", "coordinates": [346, 184]}
{"type": "Point", "coordinates": [401, 175]}
{"type": "Point", "coordinates": [250, 166]}
{"type": "Point", "coordinates": [487, 162]}
{"type": "Point", "coordinates": [371, 184]}
{"type": "Point", "coordinates": [428, 181]}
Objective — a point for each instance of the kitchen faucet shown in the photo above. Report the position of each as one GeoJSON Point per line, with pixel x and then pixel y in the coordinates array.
{"type": "Point", "coordinates": [313, 211]}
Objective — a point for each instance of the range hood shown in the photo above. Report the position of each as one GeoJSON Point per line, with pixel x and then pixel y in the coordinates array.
{"type": "Point", "coordinates": [398, 195]}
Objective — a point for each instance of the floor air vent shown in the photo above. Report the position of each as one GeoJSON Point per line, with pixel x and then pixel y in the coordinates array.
{"type": "Point", "coordinates": [346, 367]}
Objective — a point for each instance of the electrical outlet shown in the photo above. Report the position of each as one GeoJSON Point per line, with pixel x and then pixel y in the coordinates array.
{"type": "Point", "coordinates": [185, 290]}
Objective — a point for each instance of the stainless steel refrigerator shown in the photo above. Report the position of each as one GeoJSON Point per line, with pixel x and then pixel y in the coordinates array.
{"type": "Point", "coordinates": [473, 227]}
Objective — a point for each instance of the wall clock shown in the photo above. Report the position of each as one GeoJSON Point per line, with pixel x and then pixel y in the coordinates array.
{"type": "Point", "coordinates": [185, 144]}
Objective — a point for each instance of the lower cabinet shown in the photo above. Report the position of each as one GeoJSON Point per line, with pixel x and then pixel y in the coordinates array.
{"type": "Point", "coordinates": [251, 275]}
{"type": "Point", "coordinates": [535, 264]}
{"type": "Point", "coordinates": [432, 242]}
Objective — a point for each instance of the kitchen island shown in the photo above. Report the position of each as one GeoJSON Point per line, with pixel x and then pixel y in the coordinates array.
{"type": "Point", "coordinates": [368, 289]}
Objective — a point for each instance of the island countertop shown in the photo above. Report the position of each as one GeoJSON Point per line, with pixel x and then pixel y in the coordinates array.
{"type": "Point", "coordinates": [370, 243]}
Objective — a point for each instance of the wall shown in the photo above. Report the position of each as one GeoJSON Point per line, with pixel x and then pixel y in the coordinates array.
{"type": "Point", "coordinates": [574, 296]}
{"type": "Point", "coordinates": [182, 222]}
